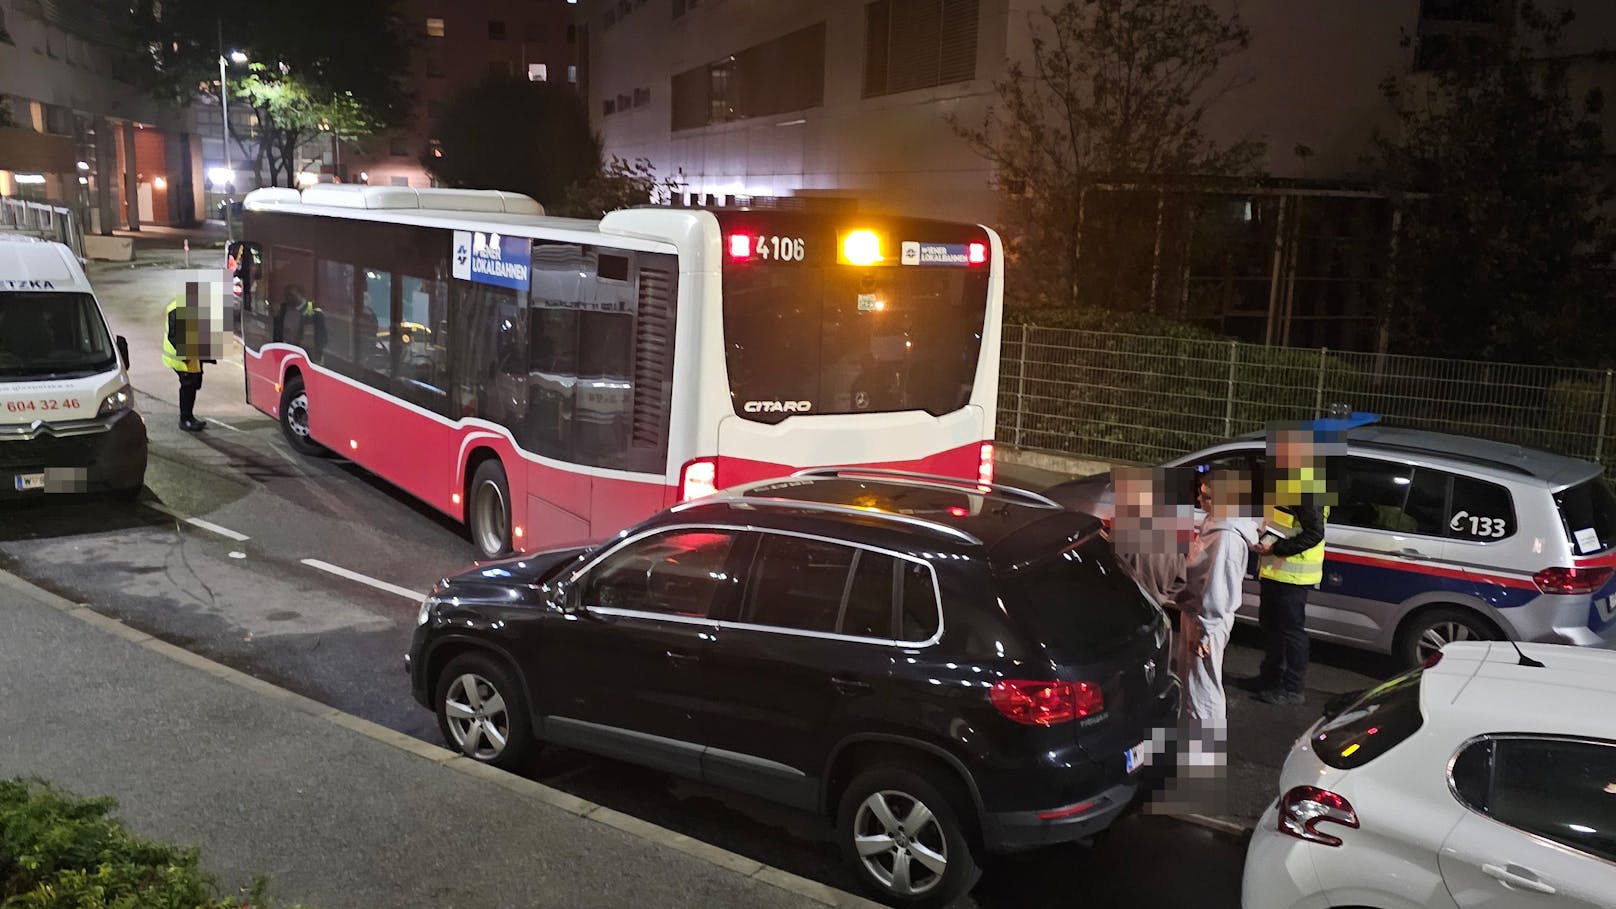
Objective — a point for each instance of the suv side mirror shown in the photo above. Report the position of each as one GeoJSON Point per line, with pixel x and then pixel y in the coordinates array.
{"type": "Point", "coordinates": [122, 344]}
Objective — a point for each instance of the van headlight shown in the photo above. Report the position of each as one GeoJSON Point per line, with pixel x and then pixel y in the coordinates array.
{"type": "Point", "coordinates": [427, 606]}
{"type": "Point", "coordinates": [117, 402]}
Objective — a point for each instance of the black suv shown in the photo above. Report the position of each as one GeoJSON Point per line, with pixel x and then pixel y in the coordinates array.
{"type": "Point", "coordinates": [940, 666]}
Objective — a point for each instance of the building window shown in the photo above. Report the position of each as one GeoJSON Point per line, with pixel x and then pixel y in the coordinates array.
{"type": "Point", "coordinates": [434, 28]}
{"type": "Point", "coordinates": [538, 72]}
{"type": "Point", "coordinates": [572, 34]}
{"type": "Point", "coordinates": [782, 75]}
{"type": "Point", "coordinates": [642, 97]}
{"type": "Point", "coordinates": [499, 68]}
{"type": "Point", "coordinates": [912, 44]}
{"type": "Point", "coordinates": [624, 102]}
{"type": "Point", "coordinates": [572, 74]}
{"type": "Point", "coordinates": [396, 147]}
{"type": "Point", "coordinates": [496, 30]}
{"type": "Point", "coordinates": [680, 7]}
{"type": "Point", "coordinates": [610, 18]}
{"type": "Point", "coordinates": [434, 63]}
{"type": "Point", "coordinates": [399, 181]}
{"type": "Point", "coordinates": [608, 107]}
{"type": "Point", "coordinates": [535, 33]}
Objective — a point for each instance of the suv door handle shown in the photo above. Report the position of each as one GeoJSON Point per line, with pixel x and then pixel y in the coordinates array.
{"type": "Point", "coordinates": [680, 658]}
{"type": "Point", "coordinates": [1516, 876]}
{"type": "Point", "coordinates": [850, 686]}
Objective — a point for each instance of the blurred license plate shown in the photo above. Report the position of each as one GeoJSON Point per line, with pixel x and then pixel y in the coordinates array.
{"type": "Point", "coordinates": [30, 481]}
{"type": "Point", "coordinates": [1134, 757]}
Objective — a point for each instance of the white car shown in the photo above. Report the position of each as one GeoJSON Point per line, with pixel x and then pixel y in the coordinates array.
{"type": "Point", "coordinates": [1486, 778]}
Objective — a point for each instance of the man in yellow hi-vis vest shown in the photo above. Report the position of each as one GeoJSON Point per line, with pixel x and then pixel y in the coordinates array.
{"type": "Point", "coordinates": [1291, 564]}
{"type": "Point", "coordinates": [184, 351]}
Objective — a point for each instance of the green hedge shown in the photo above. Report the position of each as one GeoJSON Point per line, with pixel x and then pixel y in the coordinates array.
{"type": "Point", "coordinates": [60, 852]}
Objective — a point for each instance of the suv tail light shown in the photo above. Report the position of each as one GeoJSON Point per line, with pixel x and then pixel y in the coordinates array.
{"type": "Point", "coordinates": [1571, 580]}
{"type": "Point", "coordinates": [1045, 703]}
{"type": "Point", "coordinates": [1302, 809]}
{"type": "Point", "coordinates": [698, 478]}
{"type": "Point", "coordinates": [984, 464]}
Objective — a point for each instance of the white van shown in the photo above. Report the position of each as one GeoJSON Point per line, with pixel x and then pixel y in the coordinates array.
{"type": "Point", "coordinates": [68, 421]}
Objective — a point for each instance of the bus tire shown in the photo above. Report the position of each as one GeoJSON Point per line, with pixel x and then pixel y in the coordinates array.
{"type": "Point", "coordinates": [488, 510]}
{"type": "Point", "coordinates": [295, 418]}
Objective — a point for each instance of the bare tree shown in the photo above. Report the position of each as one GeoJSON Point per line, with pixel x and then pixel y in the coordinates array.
{"type": "Point", "coordinates": [1115, 91]}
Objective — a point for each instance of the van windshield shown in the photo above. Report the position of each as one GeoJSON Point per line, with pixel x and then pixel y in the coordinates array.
{"type": "Point", "coordinates": [52, 336]}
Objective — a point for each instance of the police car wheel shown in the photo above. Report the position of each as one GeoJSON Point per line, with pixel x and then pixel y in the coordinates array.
{"type": "Point", "coordinates": [295, 417]}
{"type": "Point", "coordinates": [1428, 632]}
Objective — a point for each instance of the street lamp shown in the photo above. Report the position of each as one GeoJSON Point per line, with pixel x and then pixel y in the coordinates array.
{"type": "Point", "coordinates": [238, 58]}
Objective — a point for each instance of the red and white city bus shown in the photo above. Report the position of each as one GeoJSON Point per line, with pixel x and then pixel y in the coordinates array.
{"type": "Point", "coordinates": [551, 380]}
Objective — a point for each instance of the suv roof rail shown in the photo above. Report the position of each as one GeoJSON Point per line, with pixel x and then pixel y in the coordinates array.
{"type": "Point", "coordinates": [931, 479]}
{"type": "Point", "coordinates": [937, 527]}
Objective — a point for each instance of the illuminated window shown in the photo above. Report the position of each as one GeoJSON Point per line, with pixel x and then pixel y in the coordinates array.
{"type": "Point", "coordinates": [538, 72]}
{"type": "Point", "coordinates": [434, 28]}
{"type": "Point", "coordinates": [496, 30]}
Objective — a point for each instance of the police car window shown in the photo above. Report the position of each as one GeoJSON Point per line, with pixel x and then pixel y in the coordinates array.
{"type": "Point", "coordinates": [1374, 495]}
{"type": "Point", "coordinates": [1428, 501]}
{"type": "Point", "coordinates": [1480, 511]}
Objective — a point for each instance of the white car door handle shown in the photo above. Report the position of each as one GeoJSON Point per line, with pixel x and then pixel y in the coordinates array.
{"type": "Point", "coordinates": [1516, 876]}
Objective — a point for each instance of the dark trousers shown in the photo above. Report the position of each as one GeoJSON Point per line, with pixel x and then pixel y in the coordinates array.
{"type": "Point", "coordinates": [1282, 616]}
{"type": "Point", "coordinates": [190, 383]}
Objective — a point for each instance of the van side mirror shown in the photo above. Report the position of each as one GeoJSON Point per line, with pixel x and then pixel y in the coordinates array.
{"type": "Point", "coordinates": [123, 351]}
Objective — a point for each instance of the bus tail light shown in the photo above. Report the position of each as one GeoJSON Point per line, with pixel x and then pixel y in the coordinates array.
{"type": "Point", "coordinates": [740, 246]}
{"type": "Point", "coordinates": [984, 464]}
{"type": "Point", "coordinates": [976, 253]}
{"type": "Point", "coordinates": [698, 478]}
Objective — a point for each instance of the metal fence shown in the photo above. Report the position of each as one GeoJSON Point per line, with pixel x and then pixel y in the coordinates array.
{"type": "Point", "coordinates": [40, 219]}
{"type": "Point", "coordinates": [1143, 399]}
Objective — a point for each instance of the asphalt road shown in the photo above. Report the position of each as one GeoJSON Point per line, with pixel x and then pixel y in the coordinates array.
{"type": "Point", "coordinates": [240, 588]}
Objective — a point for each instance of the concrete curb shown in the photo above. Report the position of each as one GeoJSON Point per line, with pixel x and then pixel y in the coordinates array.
{"type": "Point", "coordinates": [452, 761]}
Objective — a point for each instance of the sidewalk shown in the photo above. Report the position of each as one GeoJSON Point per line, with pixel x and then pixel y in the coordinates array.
{"type": "Point", "coordinates": [337, 811]}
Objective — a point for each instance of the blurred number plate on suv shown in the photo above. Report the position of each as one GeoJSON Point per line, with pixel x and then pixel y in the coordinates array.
{"type": "Point", "coordinates": [30, 481]}
{"type": "Point", "coordinates": [1134, 757]}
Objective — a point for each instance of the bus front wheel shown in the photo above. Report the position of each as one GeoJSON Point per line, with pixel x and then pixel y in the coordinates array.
{"type": "Point", "coordinates": [295, 417]}
{"type": "Point", "coordinates": [489, 517]}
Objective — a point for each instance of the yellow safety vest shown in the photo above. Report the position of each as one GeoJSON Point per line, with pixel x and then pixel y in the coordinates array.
{"type": "Point", "coordinates": [171, 357]}
{"type": "Point", "coordinates": [1305, 568]}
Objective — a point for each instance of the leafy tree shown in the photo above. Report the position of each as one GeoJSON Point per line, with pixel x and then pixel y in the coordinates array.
{"type": "Point", "coordinates": [1497, 165]}
{"type": "Point", "coordinates": [514, 134]}
{"type": "Point", "coordinates": [304, 77]}
{"type": "Point", "coordinates": [1117, 91]}
{"type": "Point", "coordinates": [619, 184]}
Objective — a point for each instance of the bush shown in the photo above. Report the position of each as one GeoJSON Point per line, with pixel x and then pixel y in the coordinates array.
{"type": "Point", "coordinates": [59, 852]}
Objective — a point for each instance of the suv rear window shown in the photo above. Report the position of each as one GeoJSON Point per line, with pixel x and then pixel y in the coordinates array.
{"type": "Point", "coordinates": [1079, 603]}
{"type": "Point", "coordinates": [1375, 723]}
{"type": "Point", "coordinates": [1588, 511]}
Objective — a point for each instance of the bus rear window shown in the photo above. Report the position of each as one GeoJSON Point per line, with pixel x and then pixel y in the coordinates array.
{"type": "Point", "coordinates": [1383, 718]}
{"type": "Point", "coordinates": [1588, 511]}
{"type": "Point", "coordinates": [839, 339]}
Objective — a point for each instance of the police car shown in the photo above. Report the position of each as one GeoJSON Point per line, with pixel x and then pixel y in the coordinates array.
{"type": "Point", "coordinates": [1436, 538]}
{"type": "Point", "coordinates": [68, 421]}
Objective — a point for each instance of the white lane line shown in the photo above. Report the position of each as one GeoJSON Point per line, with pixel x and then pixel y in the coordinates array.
{"type": "Point", "coordinates": [209, 526]}
{"type": "Point", "coordinates": [341, 572]}
{"type": "Point", "coordinates": [215, 421]}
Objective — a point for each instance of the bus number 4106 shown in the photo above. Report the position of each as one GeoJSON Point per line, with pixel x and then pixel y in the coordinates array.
{"type": "Point", "coordinates": [784, 249]}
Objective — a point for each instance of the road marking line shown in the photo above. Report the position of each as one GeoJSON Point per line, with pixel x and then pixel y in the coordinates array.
{"type": "Point", "coordinates": [209, 526]}
{"type": "Point", "coordinates": [339, 571]}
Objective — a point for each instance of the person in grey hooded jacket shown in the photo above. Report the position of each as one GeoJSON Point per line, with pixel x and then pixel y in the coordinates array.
{"type": "Point", "coordinates": [1214, 577]}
